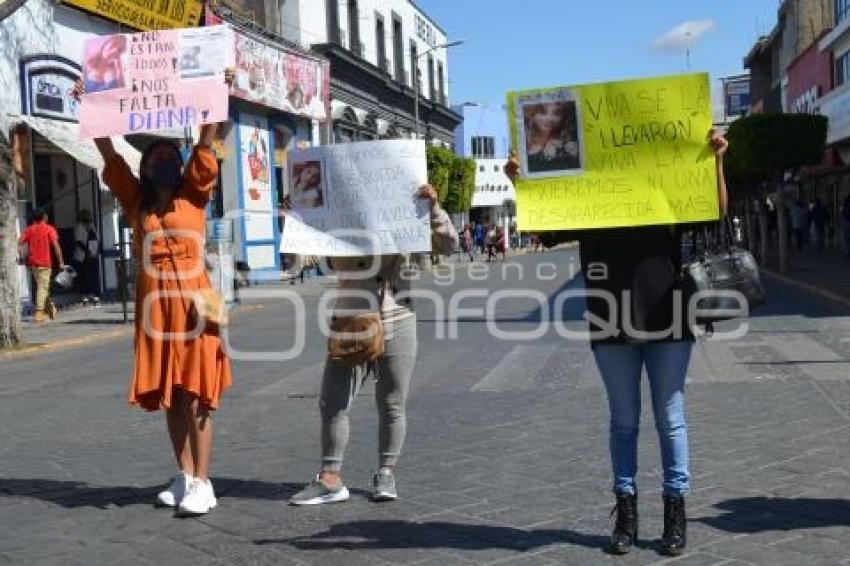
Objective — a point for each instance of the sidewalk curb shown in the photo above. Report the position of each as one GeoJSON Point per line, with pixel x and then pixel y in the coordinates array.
{"type": "Point", "coordinates": [814, 289]}
{"type": "Point", "coordinates": [38, 348]}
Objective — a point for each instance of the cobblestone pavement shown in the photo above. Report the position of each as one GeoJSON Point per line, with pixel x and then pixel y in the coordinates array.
{"type": "Point", "coordinates": [506, 460]}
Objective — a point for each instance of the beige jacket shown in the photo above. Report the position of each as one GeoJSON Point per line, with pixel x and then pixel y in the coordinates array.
{"type": "Point", "coordinates": [389, 274]}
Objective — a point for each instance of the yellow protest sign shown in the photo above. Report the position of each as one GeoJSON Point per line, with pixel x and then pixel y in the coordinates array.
{"type": "Point", "coordinates": [145, 15]}
{"type": "Point", "coordinates": [629, 153]}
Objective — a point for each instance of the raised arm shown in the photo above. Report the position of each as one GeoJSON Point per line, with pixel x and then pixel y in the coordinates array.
{"type": "Point", "coordinates": [548, 239]}
{"type": "Point", "coordinates": [444, 237]}
{"type": "Point", "coordinates": [116, 173]}
{"type": "Point", "coordinates": [720, 145]}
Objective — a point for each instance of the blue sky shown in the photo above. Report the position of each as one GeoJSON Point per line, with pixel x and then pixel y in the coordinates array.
{"type": "Point", "coordinates": [551, 42]}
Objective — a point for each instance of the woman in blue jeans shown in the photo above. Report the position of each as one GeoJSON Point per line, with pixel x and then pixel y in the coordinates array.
{"type": "Point", "coordinates": [636, 272]}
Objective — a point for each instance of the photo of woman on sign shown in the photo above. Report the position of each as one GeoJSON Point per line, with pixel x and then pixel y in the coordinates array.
{"type": "Point", "coordinates": [103, 69]}
{"type": "Point", "coordinates": [550, 129]}
{"type": "Point", "coordinates": [307, 185]}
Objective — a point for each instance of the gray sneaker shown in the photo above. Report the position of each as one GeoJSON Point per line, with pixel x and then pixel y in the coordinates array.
{"type": "Point", "coordinates": [383, 486]}
{"type": "Point", "coordinates": [317, 493]}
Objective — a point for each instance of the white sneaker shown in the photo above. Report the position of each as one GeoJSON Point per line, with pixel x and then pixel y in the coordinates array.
{"type": "Point", "coordinates": [199, 499]}
{"type": "Point", "coordinates": [174, 493]}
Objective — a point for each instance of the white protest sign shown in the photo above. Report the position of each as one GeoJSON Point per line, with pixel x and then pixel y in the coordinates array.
{"type": "Point", "coordinates": [358, 199]}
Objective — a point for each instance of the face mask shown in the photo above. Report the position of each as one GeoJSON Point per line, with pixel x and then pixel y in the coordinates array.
{"type": "Point", "coordinates": [166, 174]}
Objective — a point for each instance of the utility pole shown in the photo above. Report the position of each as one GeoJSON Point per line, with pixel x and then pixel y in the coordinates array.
{"type": "Point", "coordinates": [415, 72]}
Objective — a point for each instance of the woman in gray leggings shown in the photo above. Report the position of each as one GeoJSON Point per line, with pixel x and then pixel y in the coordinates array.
{"type": "Point", "coordinates": [392, 372]}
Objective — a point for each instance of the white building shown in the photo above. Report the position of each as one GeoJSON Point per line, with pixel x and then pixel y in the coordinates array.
{"type": "Point", "coordinates": [373, 47]}
{"type": "Point", "coordinates": [494, 199]}
{"type": "Point", "coordinates": [39, 63]}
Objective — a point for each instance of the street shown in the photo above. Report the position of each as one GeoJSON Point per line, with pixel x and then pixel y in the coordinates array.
{"type": "Point", "coordinates": [506, 459]}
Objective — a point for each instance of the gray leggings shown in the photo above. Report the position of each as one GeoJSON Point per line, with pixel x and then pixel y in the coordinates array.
{"type": "Point", "coordinates": [340, 385]}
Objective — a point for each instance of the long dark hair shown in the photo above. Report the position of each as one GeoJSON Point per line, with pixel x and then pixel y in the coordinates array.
{"type": "Point", "coordinates": [149, 197]}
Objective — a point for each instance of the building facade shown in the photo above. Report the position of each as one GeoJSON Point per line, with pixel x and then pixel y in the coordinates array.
{"type": "Point", "coordinates": [381, 53]}
{"type": "Point", "coordinates": [484, 136]}
{"type": "Point", "coordinates": [39, 64]}
{"type": "Point", "coordinates": [279, 101]}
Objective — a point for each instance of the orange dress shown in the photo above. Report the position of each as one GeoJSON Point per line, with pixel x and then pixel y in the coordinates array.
{"type": "Point", "coordinates": [163, 358]}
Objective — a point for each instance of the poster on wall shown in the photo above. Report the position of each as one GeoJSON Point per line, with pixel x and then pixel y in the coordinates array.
{"type": "Point", "coordinates": [280, 79]}
{"type": "Point", "coordinates": [628, 153]}
{"type": "Point", "coordinates": [155, 80]}
{"type": "Point", "coordinates": [256, 166]}
{"type": "Point", "coordinates": [164, 14]}
{"type": "Point", "coordinates": [357, 199]}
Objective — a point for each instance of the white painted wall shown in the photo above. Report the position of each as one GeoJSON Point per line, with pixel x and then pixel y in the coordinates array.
{"type": "Point", "coordinates": [305, 22]}
{"type": "Point", "coordinates": [492, 186]}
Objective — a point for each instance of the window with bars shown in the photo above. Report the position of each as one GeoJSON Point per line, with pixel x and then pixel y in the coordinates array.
{"type": "Point", "coordinates": [842, 10]}
{"type": "Point", "coordinates": [483, 147]}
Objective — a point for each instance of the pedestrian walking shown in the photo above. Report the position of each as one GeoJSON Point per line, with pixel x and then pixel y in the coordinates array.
{"type": "Point", "coordinates": [799, 223]}
{"type": "Point", "coordinates": [86, 254]}
{"type": "Point", "coordinates": [41, 239]}
{"type": "Point", "coordinates": [177, 367]}
{"type": "Point", "coordinates": [500, 243]}
{"type": "Point", "coordinates": [392, 371]}
{"type": "Point", "coordinates": [642, 265]}
{"type": "Point", "coordinates": [480, 234]}
{"type": "Point", "coordinates": [490, 242]}
{"type": "Point", "coordinates": [466, 242]}
{"type": "Point", "coordinates": [818, 217]}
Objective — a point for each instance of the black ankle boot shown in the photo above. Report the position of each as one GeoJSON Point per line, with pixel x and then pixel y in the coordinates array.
{"type": "Point", "coordinates": [675, 536]}
{"type": "Point", "coordinates": [625, 524]}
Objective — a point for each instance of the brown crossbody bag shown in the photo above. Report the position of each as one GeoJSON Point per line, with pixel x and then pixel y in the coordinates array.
{"type": "Point", "coordinates": [358, 339]}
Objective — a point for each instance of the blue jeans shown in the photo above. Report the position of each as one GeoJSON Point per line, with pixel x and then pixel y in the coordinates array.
{"type": "Point", "coordinates": [666, 366]}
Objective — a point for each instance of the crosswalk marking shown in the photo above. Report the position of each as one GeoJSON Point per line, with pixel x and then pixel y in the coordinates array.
{"type": "Point", "coordinates": [517, 370]}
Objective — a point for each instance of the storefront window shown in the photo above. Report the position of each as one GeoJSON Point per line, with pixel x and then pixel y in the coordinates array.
{"type": "Point", "coordinates": [842, 9]}
{"type": "Point", "coordinates": [842, 68]}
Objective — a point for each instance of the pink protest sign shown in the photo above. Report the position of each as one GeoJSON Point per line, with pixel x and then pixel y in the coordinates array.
{"type": "Point", "coordinates": [155, 80]}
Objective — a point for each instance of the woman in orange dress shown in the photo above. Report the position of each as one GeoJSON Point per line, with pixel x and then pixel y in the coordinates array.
{"type": "Point", "coordinates": [180, 365]}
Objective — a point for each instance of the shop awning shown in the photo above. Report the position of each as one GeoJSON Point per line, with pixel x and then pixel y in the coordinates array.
{"type": "Point", "coordinates": [66, 136]}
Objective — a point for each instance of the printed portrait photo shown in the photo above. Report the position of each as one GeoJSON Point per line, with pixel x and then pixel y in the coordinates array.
{"type": "Point", "coordinates": [190, 63]}
{"type": "Point", "coordinates": [103, 68]}
{"type": "Point", "coordinates": [550, 134]}
{"type": "Point", "coordinates": [307, 187]}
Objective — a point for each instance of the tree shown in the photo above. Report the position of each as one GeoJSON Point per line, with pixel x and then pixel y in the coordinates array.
{"type": "Point", "coordinates": [9, 292]}
{"type": "Point", "coordinates": [767, 149]}
{"type": "Point", "coordinates": [453, 177]}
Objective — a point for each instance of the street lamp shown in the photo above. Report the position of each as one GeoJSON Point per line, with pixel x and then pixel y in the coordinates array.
{"type": "Point", "coordinates": [416, 80]}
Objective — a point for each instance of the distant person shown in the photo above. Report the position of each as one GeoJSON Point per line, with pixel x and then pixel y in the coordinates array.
{"type": "Point", "coordinates": [799, 223]}
{"type": "Point", "coordinates": [466, 242]}
{"type": "Point", "coordinates": [480, 234]}
{"type": "Point", "coordinates": [86, 253]}
{"type": "Point", "coordinates": [500, 243]}
{"type": "Point", "coordinates": [41, 238]}
{"type": "Point", "coordinates": [490, 242]}
{"type": "Point", "coordinates": [845, 225]}
{"type": "Point", "coordinates": [818, 217]}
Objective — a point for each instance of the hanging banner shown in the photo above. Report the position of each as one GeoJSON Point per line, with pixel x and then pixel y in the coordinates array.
{"type": "Point", "coordinates": [147, 15]}
{"type": "Point", "coordinates": [155, 80]}
{"type": "Point", "coordinates": [288, 81]}
{"type": "Point", "coordinates": [630, 153]}
{"type": "Point", "coordinates": [357, 199]}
